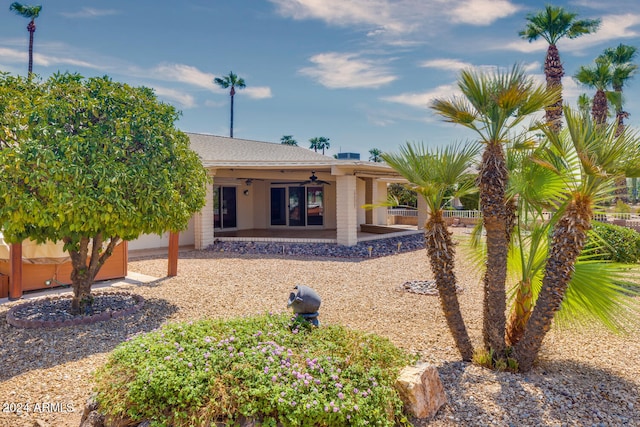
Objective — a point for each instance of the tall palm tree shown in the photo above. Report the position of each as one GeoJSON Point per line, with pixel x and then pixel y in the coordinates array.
{"type": "Point", "coordinates": [552, 24]}
{"type": "Point", "coordinates": [232, 81]}
{"type": "Point", "coordinates": [288, 140]}
{"type": "Point", "coordinates": [492, 106]}
{"type": "Point", "coordinates": [434, 174]}
{"type": "Point", "coordinates": [621, 58]}
{"type": "Point", "coordinates": [375, 155]}
{"type": "Point", "coordinates": [319, 143]}
{"type": "Point", "coordinates": [588, 157]}
{"type": "Point", "coordinates": [598, 76]}
{"type": "Point", "coordinates": [31, 13]}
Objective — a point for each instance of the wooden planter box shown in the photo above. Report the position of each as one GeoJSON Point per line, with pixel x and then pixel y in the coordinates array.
{"type": "Point", "coordinates": [34, 276]}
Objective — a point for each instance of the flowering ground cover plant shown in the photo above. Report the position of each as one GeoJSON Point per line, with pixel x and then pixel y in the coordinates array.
{"type": "Point", "coordinates": [270, 368]}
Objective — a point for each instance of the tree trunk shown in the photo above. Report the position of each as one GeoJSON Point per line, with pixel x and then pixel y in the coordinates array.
{"type": "Point", "coordinates": [233, 92]}
{"type": "Point", "coordinates": [553, 71]}
{"type": "Point", "coordinates": [621, 191]}
{"type": "Point", "coordinates": [522, 307]}
{"type": "Point", "coordinates": [32, 29]}
{"type": "Point", "coordinates": [568, 239]}
{"type": "Point", "coordinates": [85, 269]}
{"type": "Point", "coordinates": [497, 219]}
{"type": "Point", "coordinates": [442, 258]}
{"type": "Point", "coordinates": [600, 108]}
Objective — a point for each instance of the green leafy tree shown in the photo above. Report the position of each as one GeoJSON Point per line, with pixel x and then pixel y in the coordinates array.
{"type": "Point", "coordinates": [31, 13]}
{"type": "Point", "coordinates": [288, 140]}
{"type": "Point", "coordinates": [492, 106]}
{"type": "Point", "coordinates": [375, 155]}
{"type": "Point", "coordinates": [319, 143]}
{"type": "Point", "coordinates": [552, 24]}
{"type": "Point", "coordinates": [435, 174]}
{"type": "Point", "coordinates": [231, 81]}
{"type": "Point", "coordinates": [92, 162]}
{"type": "Point", "coordinates": [403, 194]}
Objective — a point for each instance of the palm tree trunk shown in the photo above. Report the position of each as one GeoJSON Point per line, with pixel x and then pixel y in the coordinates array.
{"type": "Point", "coordinates": [233, 92]}
{"type": "Point", "coordinates": [621, 191]}
{"type": "Point", "coordinates": [520, 313]}
{"type": "Point", "coordinates": [32, 29]}
{"type": "Point", "coordinates": [497, 220]}
{"type": "Point", "coordinates": [441, 256]}
{"type": "Point", "coordinates": [600, 107]}
{"type": "Point", "coordinates": [568, 240]}
{"type": "Point", "coordinates": [553, 70]}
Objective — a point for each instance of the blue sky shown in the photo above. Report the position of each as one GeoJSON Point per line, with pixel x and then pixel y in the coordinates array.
{"type": "Point", "coordinates": [360, 72]}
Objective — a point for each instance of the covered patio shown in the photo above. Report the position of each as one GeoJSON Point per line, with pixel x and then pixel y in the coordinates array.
{"type": "Point", "coordinates": [311, 235]}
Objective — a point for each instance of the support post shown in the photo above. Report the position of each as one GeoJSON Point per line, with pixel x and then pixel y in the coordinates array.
{"type": "Point", "coordinates": [15, 276]}
{"type": "Point", "coordinates": [174, 239]}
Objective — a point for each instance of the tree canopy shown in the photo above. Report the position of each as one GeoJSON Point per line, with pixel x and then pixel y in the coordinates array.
{"type": "Point", "coordinates": [92, 160]}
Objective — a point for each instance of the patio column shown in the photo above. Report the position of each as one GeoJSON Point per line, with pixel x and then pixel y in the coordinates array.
{"type": "Point", "coordinates": [368, 199]}
{"type": "Point", "coordinates": [15, 272]}
{"type": "Point", "coordinates": [346, 210]}
{"type": "Point", "coordinates": [203, 222]}
{"type": "Point", "coordinates": [422, 212]}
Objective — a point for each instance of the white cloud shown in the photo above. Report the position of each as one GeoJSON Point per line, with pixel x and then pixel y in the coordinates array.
{"type": "Point", "coordinates": [482, 12]}
{"type": "Point", "coordinates": [183, 99]}
{"type": "Point", "coordinates": [424, 99]}
{"type": "Point", "coordinates": [184, 74]}
{"type": "Point", "coordinates": [445, 64]}
{"type": "Point", "coordinates": [347, 70]}
{"type": "Point", "coordinates": [260, 92]}
{"type": "Point", "coordinates": [89, 12]}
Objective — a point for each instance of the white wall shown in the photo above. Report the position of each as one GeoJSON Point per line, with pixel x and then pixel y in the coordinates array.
{"type": "Point", "coordinates": [153, 241]}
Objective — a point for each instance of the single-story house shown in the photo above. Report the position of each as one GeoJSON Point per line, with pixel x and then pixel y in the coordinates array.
{"type": "Point", "coordinates": [262, 191]}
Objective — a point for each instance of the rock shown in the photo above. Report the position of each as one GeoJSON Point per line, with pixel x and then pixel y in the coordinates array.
{"type": "Point", "coordinates": [94, 419]}
{"type": "Point", "coordinates": [421, 390]}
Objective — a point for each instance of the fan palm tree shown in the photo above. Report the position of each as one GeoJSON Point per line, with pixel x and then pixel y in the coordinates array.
{"type": "Point", "coordinates": [31, 13]}
{"type": "Point", "coordinates": [588, 157]}
{"type": "Point", "coordinates": [552, 24]}
{"type": "Point", "coordinates": [232, 81]}
{"type": "Point", "coordinates": [492, 106]}
{"type": "Point", "coordinates": [319, 143]}
{"type": "Point", "coordinates": [375, 155]}
{"type": "Point", "coordinates": [434, 175]}
{"type": "Point", "coordinates": [598, 76]}
{"type": "Point", "coordinates": [621, 58]}
{"type": "Point", "coordinates": [288, 140]}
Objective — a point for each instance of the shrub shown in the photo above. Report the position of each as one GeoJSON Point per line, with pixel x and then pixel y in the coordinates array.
{"type": "Point", "coordinates": [613, 243]}
{"type": "Point", "coordinates": [621, 207]}
{"type": "Point", "coordinates": [270, 368]}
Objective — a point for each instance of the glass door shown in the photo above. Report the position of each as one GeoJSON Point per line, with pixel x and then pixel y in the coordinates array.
{"type": "Point", "coordinates": [296, 206]}
{"type": "Point", "coordinates": [224, 207]}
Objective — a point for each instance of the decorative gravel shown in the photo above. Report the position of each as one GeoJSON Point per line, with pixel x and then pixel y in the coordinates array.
{"type": "Point", "coordinates": [424, 287]}
{"type": "Point", "coordinates": [370, 249]}
{"type": "Point", "coordinates": [56, 312]}
{"type": "Point", "coordinates": [584, 377]}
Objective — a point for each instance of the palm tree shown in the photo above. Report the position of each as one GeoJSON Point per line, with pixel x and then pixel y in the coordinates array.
{"type": "Point", "coordinates": [492, 106]}
{"type": "Point", "coordinates": [319, 143]}
{"type": "Point", "coordinates": [288, 140]}
{"type": "Point", "coordinates": [375, 155]}
{"type": "Point", "coordinates": [552, 24]}
{"type": "Point", "coordinates": [621, 58]}
{"type": "Point", "coordinates": [598, 77]}
{"type": "Point", "coordinates": [435, 174]}
{"type": "Point", "coordinates": [588, 157]}
{"type": "Point", "coordinates": [234, 82]}
{"type": "Point", "coordinates": [31, 13]}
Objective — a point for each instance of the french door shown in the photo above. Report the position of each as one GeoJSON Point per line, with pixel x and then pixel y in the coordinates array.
{"type": "Point", "coordinates": [297, 206]}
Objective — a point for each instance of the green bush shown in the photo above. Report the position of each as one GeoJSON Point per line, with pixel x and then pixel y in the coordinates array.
{"type": "Point", "coordinates": [621, 207]}
{"type": "Point", "coordinates": [613, 243]}
{"type": "Point", "coordinates": [270, 368]}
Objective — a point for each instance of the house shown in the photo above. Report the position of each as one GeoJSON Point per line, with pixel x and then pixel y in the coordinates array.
{"type": "Point", "coordinates": [262, 191]}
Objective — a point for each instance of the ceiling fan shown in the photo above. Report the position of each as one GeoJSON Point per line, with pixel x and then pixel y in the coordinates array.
{"type": "Point", "coordinates": [313, 179]}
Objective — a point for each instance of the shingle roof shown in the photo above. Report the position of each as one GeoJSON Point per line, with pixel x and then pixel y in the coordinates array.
{"type": "Point", "coordinates": [220, 151]}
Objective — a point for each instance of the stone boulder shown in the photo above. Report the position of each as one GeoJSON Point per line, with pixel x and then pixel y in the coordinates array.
{"type": "Point", "coordinates": [421, 390]}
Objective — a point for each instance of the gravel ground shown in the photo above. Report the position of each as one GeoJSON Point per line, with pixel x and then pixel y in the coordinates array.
{"type": "Point", "coordinates": [584, 378]}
